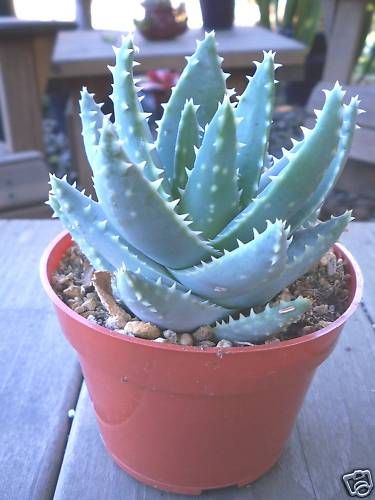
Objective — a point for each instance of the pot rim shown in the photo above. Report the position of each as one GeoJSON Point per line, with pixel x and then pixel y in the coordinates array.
{"type": "Point", "coordinates": [356, 274]}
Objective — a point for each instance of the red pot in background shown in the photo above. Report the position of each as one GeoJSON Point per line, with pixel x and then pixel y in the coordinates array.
{"type": "Point", "coordinates": [184, 419]}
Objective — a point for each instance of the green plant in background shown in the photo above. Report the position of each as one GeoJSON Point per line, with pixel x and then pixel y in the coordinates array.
{"type": "Point", "coordinates": [300, 18]}
{"type": "Point", "coordinates": [366, 46]}
{"type": "Point", "coordinates": [196, 227]}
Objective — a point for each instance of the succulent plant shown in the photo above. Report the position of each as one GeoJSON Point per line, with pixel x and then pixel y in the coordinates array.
{"type": "Point", "coordinates": [203, 225]}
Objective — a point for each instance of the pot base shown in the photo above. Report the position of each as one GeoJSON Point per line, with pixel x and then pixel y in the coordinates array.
{"type": "Point", "coordinates": [185, 490]}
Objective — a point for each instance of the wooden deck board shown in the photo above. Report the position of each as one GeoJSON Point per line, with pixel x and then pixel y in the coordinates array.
{"type": "Point", "coordinates": [361, 241]}
{"type": "Point", "coordinates": [336, 424]}
{"type": "Point", "coordinates": [22, 243]}
{"type": "Point", "coordinates": [40, 376]}
{"type": "Point", "coordinates": [334, 432]}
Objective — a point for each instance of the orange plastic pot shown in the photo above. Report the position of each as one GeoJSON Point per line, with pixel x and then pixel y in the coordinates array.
{"type": "Point", "coordinates": [184, 419]}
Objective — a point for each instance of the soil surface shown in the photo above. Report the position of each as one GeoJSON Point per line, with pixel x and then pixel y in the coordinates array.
{"type": "Point", "coordinates": [89, 294]}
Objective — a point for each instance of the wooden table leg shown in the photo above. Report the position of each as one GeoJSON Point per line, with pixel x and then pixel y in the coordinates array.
{"type": "Point", "coordinates": [25, 55]}
{"type": "Point", "coordinates": [20, 96]}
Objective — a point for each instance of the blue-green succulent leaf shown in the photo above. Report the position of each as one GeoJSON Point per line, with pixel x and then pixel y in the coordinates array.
{"type": "Point", "coordinates": [257, 328]}
{"type": "Point", "coordinates": [167, 307]}
{"type": "Point", "coordinates": [306, 249]}
{"type": "Point", "coordinates": [188, 139]}
{"type": "Point", "coordinates": [211, 196]}
{"type": "Point", "coordinates": [249, 265]}
{"type": "Point", "coordinates": [131, 121]}
{"type": "Point", "coordinates": [224, 229]}
{"type": "Point", "coordinates": [204, 82]}
{"type": "Point", "coordinates": [132, 204]}
{"type": "Point", "coordinates": [96, 260]}
{"type": "Point", "coordinates": [317, 198]}
{"type": "Point", "coordinates": [287, 192]}
{"type": "Point", "coordinates": [333, 171]}
{"type": "Point", "coordinates": [88, 223]}
{"type": "Point", "coordinates": [278, 165]}
{"type": "Point", "coordinates": [255, 109]}
{"type": "Point", "coordinates": [92, 121]}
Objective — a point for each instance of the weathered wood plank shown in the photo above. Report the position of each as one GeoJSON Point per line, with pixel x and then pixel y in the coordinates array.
{"type": "Point", "coordinates": [42, 52]}
{"type": "Point", "coordinates": [361, 241]}
{"type": "Point", "coordinates": [336, 423]}
{"type": "Point", "coordinates": [25, 54]}
{"type": "Point", "coordinates": [40, 377]}
{"type": "Point", "coordinates": [19, 95]}
{"type": "Point", "coordinates": [22, 244]}
{"type": "Point", "coordinates": [332, 435]}
{"type": "Point", "coordinates": [23, 180]}
{"type": "Point", "coordinates": [40, 382]}
{"type": "Point", "coordinates": [87, 52]}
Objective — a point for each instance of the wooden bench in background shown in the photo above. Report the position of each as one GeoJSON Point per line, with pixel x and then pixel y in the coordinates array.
{"type": "Point", "coordinates": [25, 55]}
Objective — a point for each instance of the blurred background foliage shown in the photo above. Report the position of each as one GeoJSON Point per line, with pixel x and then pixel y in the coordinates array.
{"type": "Point", "coordinates": [299, 19]}
{"type": "Point", "coordinates": [302, 20]}
{"type": "Point", "coordinates": [366, 52]}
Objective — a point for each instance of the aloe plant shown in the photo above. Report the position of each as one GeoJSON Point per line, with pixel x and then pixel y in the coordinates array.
{"type": "Point", "coordinates": [197, 228]}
